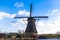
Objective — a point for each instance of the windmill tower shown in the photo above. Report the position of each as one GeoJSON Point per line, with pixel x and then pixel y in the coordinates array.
{"type": "Point", "coordinates": [31, 31]}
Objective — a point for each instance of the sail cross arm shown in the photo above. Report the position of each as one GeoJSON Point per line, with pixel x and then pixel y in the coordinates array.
{"type": "Point", "coordinates": [21, 17]}
{"type": "Point", "coordinates": [34, 17]}
{"type": "Point", "coordinates": [40, 17]}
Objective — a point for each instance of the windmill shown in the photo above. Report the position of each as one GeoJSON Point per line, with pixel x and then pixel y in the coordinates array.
{"type": "Point", "coordinates": [31, 27]}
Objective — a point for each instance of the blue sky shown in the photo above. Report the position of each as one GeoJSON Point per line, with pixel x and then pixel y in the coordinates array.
{"type": "Point", "coordinates": [11, 8]}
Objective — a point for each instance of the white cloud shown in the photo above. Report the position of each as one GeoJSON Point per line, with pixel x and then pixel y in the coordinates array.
{"type": "Point", "coordinates": [6, 15]}
{"type": "Point", "coordinates": [13, 15]}
{"type": "Point", "coordinates": [54, 11]}
{"type": "Point", "coordinates": [24, 12]}
{"type": "Point", "coordinates": [19, 4]}
{"type": "Point", "coordinates": [52, 25]}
